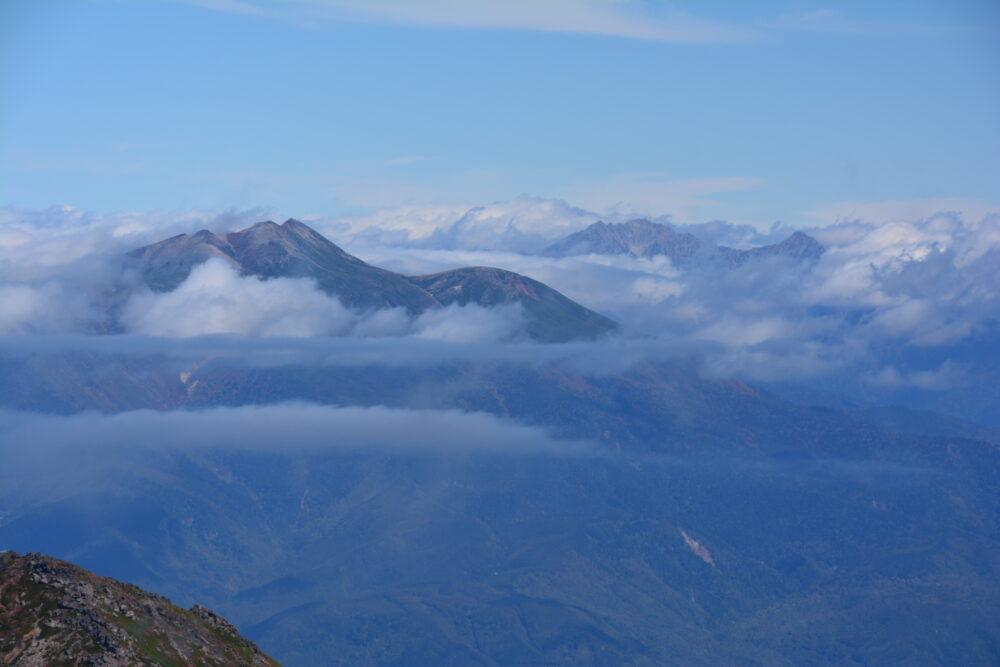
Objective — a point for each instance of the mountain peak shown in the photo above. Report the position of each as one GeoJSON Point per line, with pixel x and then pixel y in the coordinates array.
{"type": "Point", "coordinates": [798, 246]}
{"type": "Point", "coordinates": [646, 223]}
{"type": "Point", "coordinates": [301, 230]}
{"type": "Point", "coordinates": [295, 250]}
{"type": "Point", "coordinates": [261, 233]}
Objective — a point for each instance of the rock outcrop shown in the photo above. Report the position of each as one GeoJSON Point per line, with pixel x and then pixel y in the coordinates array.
{"type": "Point", "coordinates": [54, 612]}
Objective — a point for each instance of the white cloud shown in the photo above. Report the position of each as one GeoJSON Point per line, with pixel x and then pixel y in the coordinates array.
{"type": "Point", "coordinates": [739, 332]}
{"type": "Point", "coordinates": [44, 308]}
{"type": "Point", "coordinates": [36, 243]}
{"type": "Point", "coordinates": [602, 282]}
{"type": "Point", "coordinates": [899, 210]}
{"type": "Point", "coordinates": [214, 299]}
{"type": "Point", "coordinates": [924, 282]}
{"type": "Point", "coordinates": [941, 378]}
{"type": "Point", "coordinates": [914, 284]}
{"type": "Point", "coordinates": [470, 323]}
{"type": "Point", "coordinates": [521, 224]}
{"type": "Point", "coordinates": [23, 308]}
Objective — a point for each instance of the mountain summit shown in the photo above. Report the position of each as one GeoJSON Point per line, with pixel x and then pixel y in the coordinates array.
{"type": "Point", "coordinates": [295, 250]}
{"type": "Point", "coordinates": [291, 250]}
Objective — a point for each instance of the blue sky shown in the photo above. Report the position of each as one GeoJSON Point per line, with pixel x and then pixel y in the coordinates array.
{"type": "Point", "coordinates": [751, 112]}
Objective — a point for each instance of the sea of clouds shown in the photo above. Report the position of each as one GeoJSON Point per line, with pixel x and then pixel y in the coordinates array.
{"type": "Point", "coordinates": [886, 302]}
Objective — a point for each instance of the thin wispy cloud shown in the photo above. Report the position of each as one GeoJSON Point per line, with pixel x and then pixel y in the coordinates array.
{"type": "Point", "coordinates": [626, 19]}
{"type": "Point", "coordinates": [290, 426]}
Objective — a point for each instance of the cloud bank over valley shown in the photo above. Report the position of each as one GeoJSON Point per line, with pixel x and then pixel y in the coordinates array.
{"type": "Point", "coordinates": [896, 305]}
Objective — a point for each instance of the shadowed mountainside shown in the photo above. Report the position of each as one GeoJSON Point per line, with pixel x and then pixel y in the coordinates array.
{"type": "Point", "coordinates": [550, 315]}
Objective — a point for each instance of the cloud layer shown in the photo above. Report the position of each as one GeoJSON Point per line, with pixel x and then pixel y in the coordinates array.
{"type": "Point", "coordinates": [927, 282]}
{"type": "Point", "coordinates": [215, 299]}
{"type": "Point", "coordinates": [285, 427]}
{"type": "Point", "coordinates": [885, 292]}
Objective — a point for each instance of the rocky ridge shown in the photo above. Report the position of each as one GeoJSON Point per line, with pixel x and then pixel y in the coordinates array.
{"type": "Point", "coordinates": [55, 613]}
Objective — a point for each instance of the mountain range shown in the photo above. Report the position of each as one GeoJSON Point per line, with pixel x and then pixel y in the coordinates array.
{"type": "Point", "coordinates": [713, 523]}
{"type": "Point", "coordinates": [670, 518]}
{"type": "Point", "coordinates": [644, 238]}
{"type": "Point", "coordinates": [294, 250]}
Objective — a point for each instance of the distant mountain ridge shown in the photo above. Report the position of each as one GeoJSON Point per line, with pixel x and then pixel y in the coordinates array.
{"type": "Point", "coordinates": [295, 250]}
{"type": "Point", "coordinates": [644, 238]}
{"type": "Point", "coordinates": [53, 612]}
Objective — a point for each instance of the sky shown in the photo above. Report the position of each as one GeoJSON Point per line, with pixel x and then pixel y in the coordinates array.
{"type": "Point", "coordinates": [791, 111]}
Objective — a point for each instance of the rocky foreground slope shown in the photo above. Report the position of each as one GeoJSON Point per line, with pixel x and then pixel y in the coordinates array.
{"type": "Point", "coordinates": [55, 613]}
